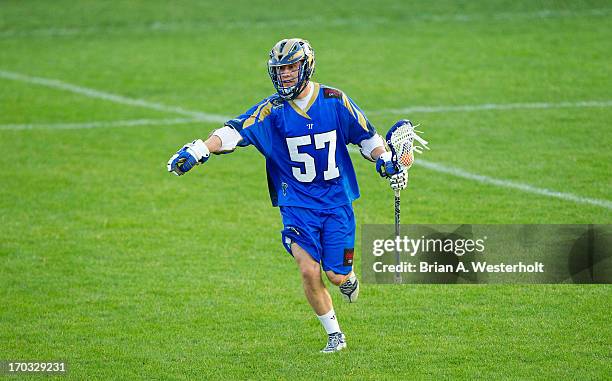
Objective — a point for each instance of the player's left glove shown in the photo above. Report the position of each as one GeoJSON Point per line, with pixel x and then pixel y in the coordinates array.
{"type": "Point", "coordinates": [189, 156]}
{"type": "Point", "coordinates": [399, 181]}
{"type": "Point", "coordinates": [385, 166]}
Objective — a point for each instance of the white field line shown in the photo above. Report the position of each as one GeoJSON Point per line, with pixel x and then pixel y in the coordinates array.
{"type": "Point", "coordinates": [492, 106]}
{"type": "Point", "coordinates": [457, 172]}
{"type": "Point", "coordinates": [200, 116]}
{"type": "Point", "coordinates": [166, 26]}
{"type": "Point", "coordinates": [221, 118]}
{"type": "Point", "coordinates": [91, 93]}
{"type": "Point", "coordinates": [206, 117]}
{"type": "Point", "coordinates": [100, 124]}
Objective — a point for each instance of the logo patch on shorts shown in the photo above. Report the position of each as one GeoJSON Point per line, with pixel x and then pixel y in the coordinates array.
{"type": "Point", "coordinates": [348, 257]}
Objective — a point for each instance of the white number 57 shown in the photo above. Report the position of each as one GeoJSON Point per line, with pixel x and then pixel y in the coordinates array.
{"type": "Point", "coordinates": [310, 172]}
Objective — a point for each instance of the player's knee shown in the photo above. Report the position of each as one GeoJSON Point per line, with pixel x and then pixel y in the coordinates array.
{"type": "Point", "coordinates": [310, 271]}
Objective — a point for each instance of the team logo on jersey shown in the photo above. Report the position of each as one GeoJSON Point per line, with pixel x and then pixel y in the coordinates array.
{"type": "Point", "coordinates": [332, 93]}
{"type": "Point", "coordinates": [284, 187]}
{"type": "Point", "coordinates": [348, 257]}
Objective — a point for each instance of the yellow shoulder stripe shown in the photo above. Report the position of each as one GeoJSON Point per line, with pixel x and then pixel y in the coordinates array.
{"type": "Point", "coordinates": [360, 118]}
{"type": "Point", "coordinates": [260, 113]}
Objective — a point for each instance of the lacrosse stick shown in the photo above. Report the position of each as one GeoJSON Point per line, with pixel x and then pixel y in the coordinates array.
{"type": "Point", "coordinates": [400, 139]}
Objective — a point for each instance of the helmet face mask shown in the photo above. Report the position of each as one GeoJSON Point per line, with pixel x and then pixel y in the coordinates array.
{"type": "Point", "coordinates": [286, 52]}
{"type": "Point", "coordinates": [288, 75]}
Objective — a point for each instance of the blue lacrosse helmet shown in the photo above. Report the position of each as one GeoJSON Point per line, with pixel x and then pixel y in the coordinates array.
{"type": "Point", "coordinates": [287, 52]}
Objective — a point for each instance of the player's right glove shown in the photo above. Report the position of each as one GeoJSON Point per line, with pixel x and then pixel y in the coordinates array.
{"type": "Point", "coordinates": [189, 156]}
{"type": "Point", "coordinates": [399, 181]}
{"type": "Point", "coordinates": [385, 166]}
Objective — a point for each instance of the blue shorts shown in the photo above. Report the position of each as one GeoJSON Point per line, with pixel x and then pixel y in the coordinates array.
{"type": "Point", "coordinates": [328, 235]}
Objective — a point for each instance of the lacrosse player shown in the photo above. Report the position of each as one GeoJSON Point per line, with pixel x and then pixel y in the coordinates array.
{"type": "Point", "coordinates": [303, 131]}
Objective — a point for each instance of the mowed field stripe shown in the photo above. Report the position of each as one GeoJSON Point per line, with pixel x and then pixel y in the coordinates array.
{"type": "Point", "coordinates": [221, 118]}
{"type": "Point", "coordinates": [215, 118]}
{"type": "Point", "coordinates": [92, 93]}
{"type": "Point", "coordinates": [164, 26]}
{"type": "Point", "coordinates": [53, 83]}
{"type": "Point", "coordinates": [493, 106]}
{"type": "Point", "coordinates": [100, 124]}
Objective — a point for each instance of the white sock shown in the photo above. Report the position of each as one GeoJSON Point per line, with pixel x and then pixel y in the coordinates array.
{"type": "Point", "coordinates": [330, 322]}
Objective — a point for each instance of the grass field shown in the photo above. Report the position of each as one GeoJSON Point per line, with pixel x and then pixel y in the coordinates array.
{"type": "Point", "coordinates": [127, 272]}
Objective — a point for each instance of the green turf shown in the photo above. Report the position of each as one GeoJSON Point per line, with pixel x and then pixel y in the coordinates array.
{"type": "Point", "coordinates": [126, 272]}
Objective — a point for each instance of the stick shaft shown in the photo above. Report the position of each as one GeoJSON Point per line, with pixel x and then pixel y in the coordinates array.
{"type": "Point", "coordinates": [398, 275]}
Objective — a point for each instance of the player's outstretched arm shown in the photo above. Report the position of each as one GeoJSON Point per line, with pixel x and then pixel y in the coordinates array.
{"type": "Point", "coordinates": [223, 140]}
{"type": "Point", "coordinates": [190, 155]}
{"type": "Point", "coordinates": [214, 144]}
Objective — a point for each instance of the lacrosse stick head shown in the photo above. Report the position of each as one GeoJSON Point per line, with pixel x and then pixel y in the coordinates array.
{"type": "Point", "coordinates": [401, 138]}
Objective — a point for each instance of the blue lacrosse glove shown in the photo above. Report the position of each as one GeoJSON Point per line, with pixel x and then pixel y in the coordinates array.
{"type": "Point", "coordinates": [386, 166]}
{"type": "Point", "coordinates": [189, 156]}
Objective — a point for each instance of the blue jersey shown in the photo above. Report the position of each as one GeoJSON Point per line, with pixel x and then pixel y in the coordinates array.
{"type": "Point", "coordinates": [307, 159]}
